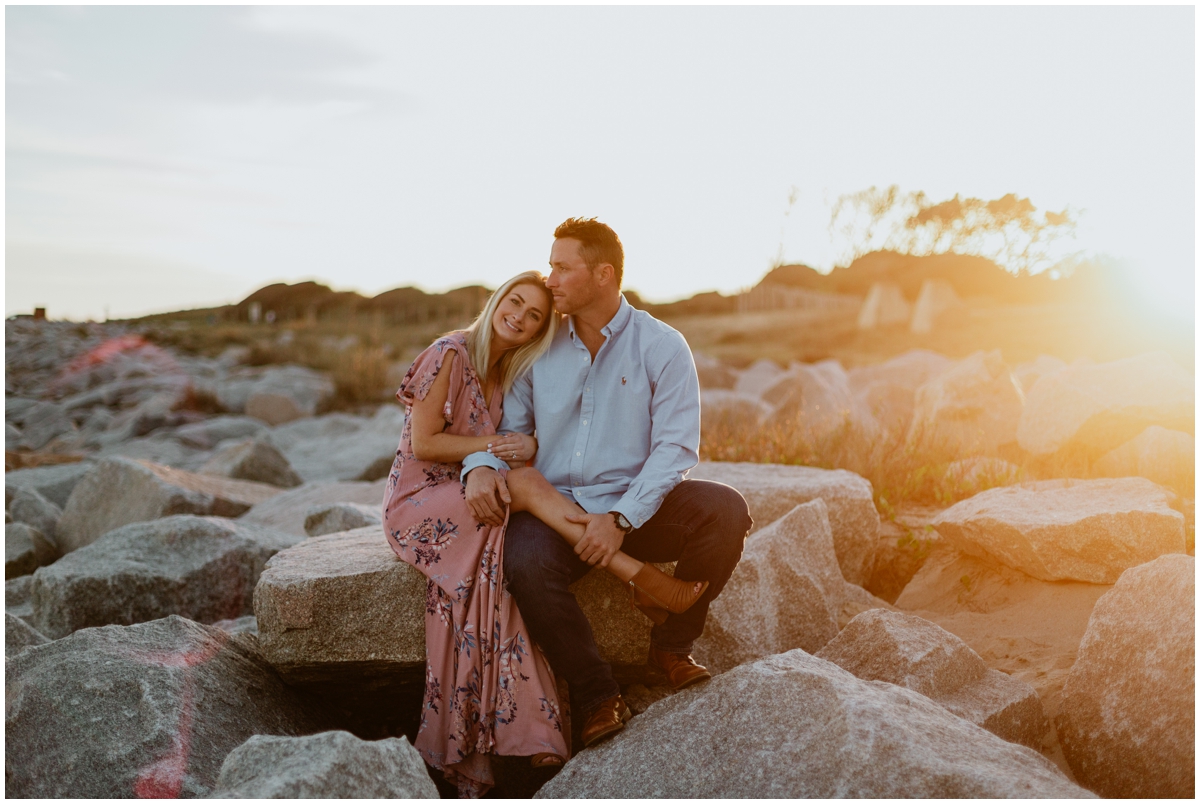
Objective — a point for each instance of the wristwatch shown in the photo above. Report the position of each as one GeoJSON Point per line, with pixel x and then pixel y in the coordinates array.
{"type": "Point", "coordinates": [623, 524]}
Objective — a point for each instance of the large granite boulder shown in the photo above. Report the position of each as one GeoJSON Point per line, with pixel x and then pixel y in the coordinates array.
{"type": "Point", "coordinates": [771, 490]}
{"type": "Point", "coordinates": [1128, 718]}
{"type": "Point", "coordinates": [252, 459]}
{"type": "Point", "coordinates": [343, 607]}
{"type": "Point", "coordinates": [1097, 407]}
{"type": "Point", "coordinates": [722, 408]}
{"type": "Point", "coordinates": [209, 433]}
{"type": "Point", "coordinates": [275, 394]}
{"type": "Point", "coordinates": [25, 549]}
{"type": "Point", "coordinates": [340, 446]}
{"type": "Point", "coordinates": [339, 607]}
{"type": "Point", "coordinates": [288, 511]}
{"type": "Point", "coordinates": [44, 422]}
{"type": "Point", "coordinates": [321, 520]}
{"type": "Point", "coordinates": [146, 711]}
{"type": "Point", "coordinates": [17, 597]}
{"type": "Point", "coordinates": [120, 491]}
{"type": "Point", "coordinates": [898, 648]}
{"type": "Point", "coordinates": [757, 377]}
{"type": "Point", "coordinates": [888, 389]}
{"type": "Point", "coordinates": [19, 635]}
{"type": "Point", "coordinates": [1086, 530]}
{"type": "Point", "coordinates": [33, 509]}
{"type": "Point", "coordinates": [817, 399]}
{"type": "Point", "coordinates": [1029, 373]}
{"type": "Point", "coordinates": [332, 764]}
{"type": "Point", "coordinates": [1168, 457]}
{"type": "Point", "coordinates": [795, 726]}
{"type": "Point", "coordinates": [202, 568]}
{"type": "Point", "coordinates": [55, 483]}
{"type": "Point", "coordinates": [787, 592]}
{"type": "Point", "coordinates": [971, 409]}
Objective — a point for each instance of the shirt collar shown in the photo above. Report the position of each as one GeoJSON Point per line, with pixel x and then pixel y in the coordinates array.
{"type": "Point", "coordinates": [615, 325]}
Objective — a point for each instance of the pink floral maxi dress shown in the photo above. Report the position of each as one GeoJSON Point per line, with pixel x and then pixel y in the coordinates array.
{"type": "Point", "coordinates": [488, 689]}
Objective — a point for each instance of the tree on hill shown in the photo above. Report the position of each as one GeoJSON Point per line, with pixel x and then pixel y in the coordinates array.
{"type": "Point", "coordinates": [1008, 229]}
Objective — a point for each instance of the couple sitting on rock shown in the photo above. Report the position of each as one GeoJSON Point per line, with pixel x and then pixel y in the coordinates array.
{"type": "Point", "coordinates": [614, 399]}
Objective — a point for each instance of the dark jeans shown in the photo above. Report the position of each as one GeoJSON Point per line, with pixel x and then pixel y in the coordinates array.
{"type": "Point", "coordinates": [701, 524]}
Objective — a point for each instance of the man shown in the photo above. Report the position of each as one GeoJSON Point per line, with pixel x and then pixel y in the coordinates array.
{"type": "Point", "coordinates": [616, 406]}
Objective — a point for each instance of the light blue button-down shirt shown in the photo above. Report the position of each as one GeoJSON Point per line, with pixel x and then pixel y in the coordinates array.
{"type": "Point", "coordinates": [616, 434]}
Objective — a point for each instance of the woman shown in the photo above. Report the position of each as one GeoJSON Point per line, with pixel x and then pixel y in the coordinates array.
{"type": "Point", "coordinates": [488, 689]}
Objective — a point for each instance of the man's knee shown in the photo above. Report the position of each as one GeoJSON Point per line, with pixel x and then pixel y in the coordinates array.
{"type": "Point", "coordinates": [725, 508]}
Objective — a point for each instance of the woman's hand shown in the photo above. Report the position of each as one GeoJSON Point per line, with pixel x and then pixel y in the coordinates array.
{"type": "Point", "coordinates": [514, 448]}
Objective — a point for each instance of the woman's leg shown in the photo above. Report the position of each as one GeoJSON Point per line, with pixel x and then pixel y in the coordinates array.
{"type": "Point", "coordinates": [533, 493]}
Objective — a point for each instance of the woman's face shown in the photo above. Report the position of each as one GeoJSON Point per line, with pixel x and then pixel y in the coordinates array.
{"type": "Point", "coordinates": [521, 315]}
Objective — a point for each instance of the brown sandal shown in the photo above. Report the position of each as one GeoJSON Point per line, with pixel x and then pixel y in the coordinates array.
{"type": "Point", "coordinates": [656, 594]}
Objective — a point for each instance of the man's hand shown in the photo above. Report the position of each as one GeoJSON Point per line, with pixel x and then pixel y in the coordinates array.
{"type": "Point", "coordinates": [487, 495]}
{"type": "Point", "coordinates": [601, 540]}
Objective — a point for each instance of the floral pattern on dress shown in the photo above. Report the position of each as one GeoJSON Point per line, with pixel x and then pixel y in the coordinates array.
{"type": "Point", "coordinates": [488, 689]}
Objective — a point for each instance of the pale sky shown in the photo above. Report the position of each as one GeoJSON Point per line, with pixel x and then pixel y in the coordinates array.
{"type": "Point", "coordinates": [166, 158]}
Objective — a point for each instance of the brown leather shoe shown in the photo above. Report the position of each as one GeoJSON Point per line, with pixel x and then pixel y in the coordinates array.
{"type": "Point", "coordinates": [606, 721]}
{"type": "Point", "coordinates": [682, 671]}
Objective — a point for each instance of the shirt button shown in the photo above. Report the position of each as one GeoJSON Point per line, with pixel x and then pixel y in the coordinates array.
{"type": "Point", "coordinates": [585, 421]}
{"type": "Point", "coordinates": [577, 454]}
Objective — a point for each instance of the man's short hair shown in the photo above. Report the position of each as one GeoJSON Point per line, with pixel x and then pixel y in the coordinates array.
{"type": "Point", "coordinates": [599, 243]}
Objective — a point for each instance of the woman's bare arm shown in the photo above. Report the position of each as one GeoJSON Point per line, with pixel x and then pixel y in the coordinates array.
{"type": "Point", "coordinates": [429, 443]}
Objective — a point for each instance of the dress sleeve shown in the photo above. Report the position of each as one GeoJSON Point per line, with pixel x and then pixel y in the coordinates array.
{"type": "Point", "coordinates": [424, 371]}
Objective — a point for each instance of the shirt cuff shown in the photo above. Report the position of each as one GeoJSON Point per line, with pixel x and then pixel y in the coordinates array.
{"type": "Point", "coordinates": [478, 459]}
{"type": "Point", "coordinates": [632, 511]}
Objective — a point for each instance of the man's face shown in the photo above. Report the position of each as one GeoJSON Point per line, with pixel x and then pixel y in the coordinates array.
{"type": "Point", "coordinates": [571, 281]}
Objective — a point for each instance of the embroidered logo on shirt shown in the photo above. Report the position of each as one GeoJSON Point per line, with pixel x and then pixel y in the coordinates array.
{"type": "Point", "coordinates": [622, 381]}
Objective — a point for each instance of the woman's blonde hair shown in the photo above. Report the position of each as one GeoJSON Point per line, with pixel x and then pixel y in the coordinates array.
{"type": "Point", "coordinates": [518, 361]}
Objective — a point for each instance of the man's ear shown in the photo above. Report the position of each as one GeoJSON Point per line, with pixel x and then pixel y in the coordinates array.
{"type": "Point", "coordinates": [604, 274]}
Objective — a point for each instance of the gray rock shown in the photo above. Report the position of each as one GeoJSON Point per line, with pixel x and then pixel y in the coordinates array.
{"type": "Point", "coordinates": [287, 511]}
{"type": "Point", "coordinates": [338, 517]}
{"type": "Point", "coordinates": [712, 372]}
{"type": "Point", "coordinates": [1086, 530]}
{"type": "Point", "coordinates": [731, 409]}
{"type": "Point", "coordinates": [758, 377]}
{"type": "Point", "coordinates": [1097, 407]}
{"type": "Point", "coordinates": [55, 483]}
{"type": "Point", "coordinates": [160, 448]}
{"type": "Point", "coordinates": [971, 409]}
{"type": "Point", "coordinates": [340, 446]}
{"type": "Point", "coordinates": [1128, 717]}
{"type": "Point", "coordinates": [120, 491]}
{"type": "Point", "coordinates": [817, 399]}
{"type": "Point", "coordinates": [340, 606]}
{"type": "Point", "coordinates": [912, 652]}
{"type": "Point", "coordinates": [210, 432]}
{"type": "Point", "coordinates": [25, 549]}
{"type": "Point", "coordinates": [333, 764]}
{"type": "Point", "coordinates": [19, 635]}
{"type": "Point", "coordinates": [1167, 457]}
{"type": "Point", "coordinates": [1029, 373]}
{"type": "Point", "coordinates": [17, 592]}
{"type": "Point", "coordinates": [42, 423]}
{"type": "Point", "coordinates": [33, 509]}
{"type": "Point", "coordinates": [787, 592]}
{"type": "Point", "coordinates": [15, 408]}
{"type": "Point", "coordinates": [252, 460]}
{"type": "Point", "coordinates": [202, 568]}
{"type": "Point", "coordinates": [795, 726]}
{"type": "Point", "coordinates": [12, 437]}
{"type": "Point", "coordinates": [910, 370]}
{"type": "Point", "coordinates": [771, 490]}
{"type": "Point", "coordinates": [148, 710]}
{"type": "Point", "coordinates": [280, 389]}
